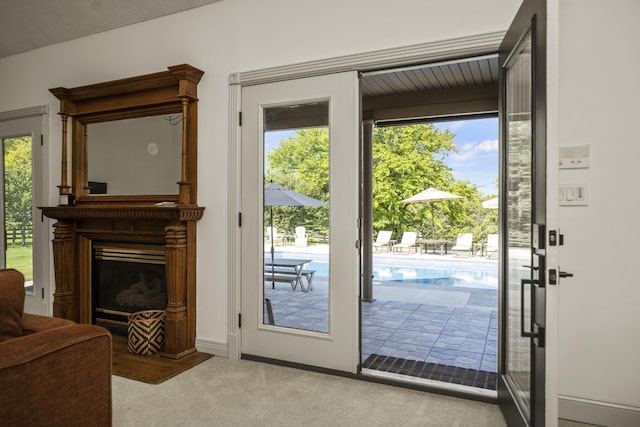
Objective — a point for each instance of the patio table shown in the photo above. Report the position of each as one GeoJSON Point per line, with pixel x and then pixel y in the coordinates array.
{"type": "Point", "coordinates": [286, 270]}
{"type": "Point", "coordinates": [443, 244]}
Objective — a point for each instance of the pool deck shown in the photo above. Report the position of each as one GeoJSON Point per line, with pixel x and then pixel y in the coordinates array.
{"type": "Point", "coordinates": [449, 325]}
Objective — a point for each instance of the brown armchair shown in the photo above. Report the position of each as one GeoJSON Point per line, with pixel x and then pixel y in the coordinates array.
{"type": "Point", "coordinates": [53, 372]}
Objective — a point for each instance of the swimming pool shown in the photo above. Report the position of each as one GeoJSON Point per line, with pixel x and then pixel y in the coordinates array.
{"type": "Point", "coordinates": [418, 272]}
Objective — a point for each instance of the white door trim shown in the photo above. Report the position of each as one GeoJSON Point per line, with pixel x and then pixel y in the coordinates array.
{"type": "Point", "coordinates": [24, 113]}
{"type": "Point", "coordinates": [441, 50]}
{"type": "Point", "coordinates": [473, 45]}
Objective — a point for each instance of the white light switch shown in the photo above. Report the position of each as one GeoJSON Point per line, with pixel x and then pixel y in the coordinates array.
{"type": "Point", "coordinates": [573, 195]}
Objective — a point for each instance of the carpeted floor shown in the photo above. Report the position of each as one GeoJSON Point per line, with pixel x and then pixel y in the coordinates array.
{"type": "Point", "coordinates": [223, 392]}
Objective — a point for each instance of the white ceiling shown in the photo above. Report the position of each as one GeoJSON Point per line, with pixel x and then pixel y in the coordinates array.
{"type": "Point", "coordinates": [30, 24]}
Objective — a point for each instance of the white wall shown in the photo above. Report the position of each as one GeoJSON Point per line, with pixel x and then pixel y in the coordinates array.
{"type": "Point", "coordinates": [226, 37]}
{"type": "Point", "coordinates": [599, 309]}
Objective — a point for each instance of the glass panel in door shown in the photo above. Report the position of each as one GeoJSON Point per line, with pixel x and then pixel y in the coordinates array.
{"type": "Point", "coordinates": [296, 216]}
{"type": "Point", "coordinates": [18, 206]}
{"type": "Point", "coordinates": [518, 221]}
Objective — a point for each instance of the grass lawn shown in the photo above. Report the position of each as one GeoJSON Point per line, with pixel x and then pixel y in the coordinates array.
{"type": "Point", "coordinates": [21, 258]}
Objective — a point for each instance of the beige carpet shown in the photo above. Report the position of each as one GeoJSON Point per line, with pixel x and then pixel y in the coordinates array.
{"type": "Point", "coordinates": [223, 392]}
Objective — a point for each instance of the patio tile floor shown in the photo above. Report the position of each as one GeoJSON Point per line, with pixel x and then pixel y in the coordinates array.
{"type": "Point", "coordinates": [462, 336]}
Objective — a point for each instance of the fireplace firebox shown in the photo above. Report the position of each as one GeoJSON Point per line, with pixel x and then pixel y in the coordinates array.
{"type": "Point", "coordinates": [126, 278]}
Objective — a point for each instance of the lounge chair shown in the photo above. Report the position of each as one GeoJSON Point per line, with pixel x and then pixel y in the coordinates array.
{"type": "Point", "coordinates": [464, 243]}
{"type": "Point", "coordinates": [408, 241]}
{"type": "Point", "coordinates": [383, 240]}
{"type": "Point", "coordinates": [492, 245]}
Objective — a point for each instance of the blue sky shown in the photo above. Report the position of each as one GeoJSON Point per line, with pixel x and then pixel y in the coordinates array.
{"type": "Point", "coordinates": [477, 157]}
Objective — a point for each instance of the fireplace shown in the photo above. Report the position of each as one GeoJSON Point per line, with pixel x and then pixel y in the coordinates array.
{"type": "Point", "coordinates": [92, 286]}
{"type": "Point", "coordinates": [167, 234]}
{"type": "Point", "coordinates": [126, 278]}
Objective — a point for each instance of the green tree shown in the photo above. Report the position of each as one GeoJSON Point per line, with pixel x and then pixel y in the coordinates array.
{"type": "Point", "coordinates": [406, 160]}
{"type": "Point", "coordinates": [18, 185]}
{"type": "Point", "coordinates": [301, 163]}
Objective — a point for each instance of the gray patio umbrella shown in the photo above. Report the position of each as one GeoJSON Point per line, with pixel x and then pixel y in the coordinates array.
{"type": "Point", "coordinates": [276, 195]}
{"type": "Point", "coordinates": [431, 195]}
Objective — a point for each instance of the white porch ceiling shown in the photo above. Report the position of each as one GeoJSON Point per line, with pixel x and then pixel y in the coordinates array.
{"type": "Point", "coordinates": [476, 71]}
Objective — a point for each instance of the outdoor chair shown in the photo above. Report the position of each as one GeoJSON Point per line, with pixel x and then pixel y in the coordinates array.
{"type": "Point", "coordinates": [492, 245]}
{"type": "Point", "coordinates": [464, 243]}
{"type": "Point", "coordinates": [301, 238]}
{"type": "Point", "coordinates": [383, 240]}
{"type": "Point", "coordinates": [408, 241]}
{"type": "Point", "coordinates": [273, 238]}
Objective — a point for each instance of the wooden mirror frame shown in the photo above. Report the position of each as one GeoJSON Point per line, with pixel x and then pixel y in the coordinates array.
{"type": "Point", "coordinates": [166, 92]}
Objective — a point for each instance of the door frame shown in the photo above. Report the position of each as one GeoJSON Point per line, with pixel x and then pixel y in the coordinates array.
{"type": "Point", "coordinates": [43, 275]}
{"type": "Point", "coordinates": [434, 51]}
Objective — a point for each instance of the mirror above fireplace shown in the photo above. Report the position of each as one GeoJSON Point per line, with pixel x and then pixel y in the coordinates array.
{"type": "Point", "coordinates": [135, 156]}
{"type": "Point", "coordinates": [132, 140]}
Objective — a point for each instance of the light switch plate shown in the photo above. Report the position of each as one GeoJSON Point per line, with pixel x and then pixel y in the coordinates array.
{"type": "Point", "coordinates": [573, 195]}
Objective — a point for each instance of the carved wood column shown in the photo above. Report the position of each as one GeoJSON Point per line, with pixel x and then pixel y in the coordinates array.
{"type": "Point", "coordinates": [176, 322]}
{"type": "Point", "coordinates": [63, 298]}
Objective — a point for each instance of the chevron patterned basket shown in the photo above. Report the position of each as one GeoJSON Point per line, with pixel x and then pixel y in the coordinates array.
{"type": "Point", "coordinates": [146, 332]}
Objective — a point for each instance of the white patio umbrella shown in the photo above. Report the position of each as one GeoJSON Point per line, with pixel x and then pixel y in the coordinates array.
{"type": "Point", "coordinates": [431, 195]}
{"type": "Point", "coordinates": [491, 203]}
{"type": "Point", "coordinates": [277, 195]}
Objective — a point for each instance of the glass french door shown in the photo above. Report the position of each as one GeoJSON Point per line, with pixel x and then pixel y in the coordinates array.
{"type": "Point", "coordinates": [521, 386]}
{"type": "Point", "coordinates": [24, 242]}
{"type": "Point", "coordinates": [300, 236]}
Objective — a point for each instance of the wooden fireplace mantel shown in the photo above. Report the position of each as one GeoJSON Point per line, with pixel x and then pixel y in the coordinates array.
{"type": "Point", "coordinates": [84, 218]}
{"type": "Point", "coordinates": [134, 213]}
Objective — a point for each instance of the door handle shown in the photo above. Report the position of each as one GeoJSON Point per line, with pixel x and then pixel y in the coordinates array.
{"type": "Point", "coordinates": [565, 274]}
{"type": "Point", "coordinates": [523, 283]}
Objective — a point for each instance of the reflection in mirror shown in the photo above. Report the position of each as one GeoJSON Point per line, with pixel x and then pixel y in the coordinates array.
{"type": "Point", "coordinates": [135, 156]}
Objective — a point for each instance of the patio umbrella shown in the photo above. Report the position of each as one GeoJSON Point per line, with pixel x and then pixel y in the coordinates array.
{"type": "Point", "coordinates": [428, 196]}
{"type": "Point", "coordinates": [277, 195]}
{"type": "Point", "coordinates": [491, 203]}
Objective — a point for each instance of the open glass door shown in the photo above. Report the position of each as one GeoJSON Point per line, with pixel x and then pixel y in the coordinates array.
{"type": "Point", "coordinates": [522, 263]}
{"type": "Point", "coordinates": [300, 260]}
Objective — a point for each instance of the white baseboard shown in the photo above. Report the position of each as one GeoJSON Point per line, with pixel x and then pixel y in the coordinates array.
{"type": "Point", "coordinates": [597, 412]}
{"type": "Point", "coordinates": [212, 347]}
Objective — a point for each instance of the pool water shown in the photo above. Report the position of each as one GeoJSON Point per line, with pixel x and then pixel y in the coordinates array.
{"type": "Point", "coordinates": [458, 273]}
